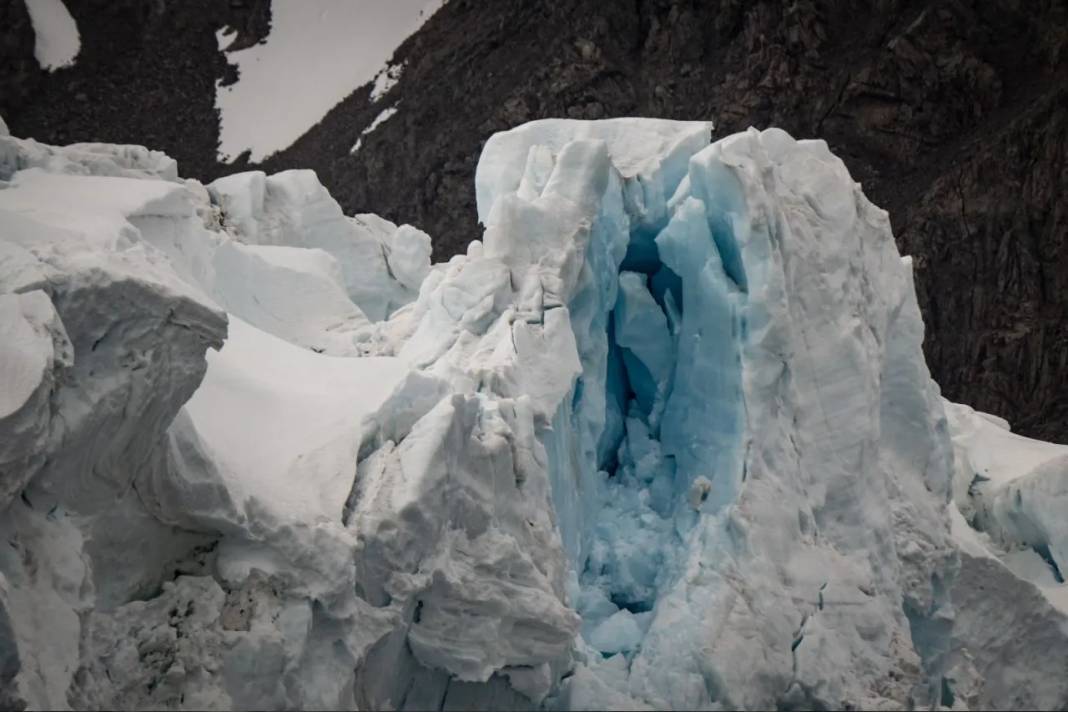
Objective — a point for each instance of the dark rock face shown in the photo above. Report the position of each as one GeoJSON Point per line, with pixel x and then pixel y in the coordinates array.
{"type": "Point", "coordinates": [991, 236]}
{"type": "Point", "coordinates": [952, 114]}
{"type": "Point", "coordinates": [145, 74]}
{"type": "Point", "coordinates": [19, 72]}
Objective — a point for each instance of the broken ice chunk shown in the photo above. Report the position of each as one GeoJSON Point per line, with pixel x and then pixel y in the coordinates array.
{"type": "Point", "coordinates": [409, 256]}
{"type": "Point", "coordinates": [618, 633]}
{"type": "Point", "coordinates": [699, 491]}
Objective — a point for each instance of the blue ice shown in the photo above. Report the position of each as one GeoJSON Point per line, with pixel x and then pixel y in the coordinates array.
{"type": "Point", "coordinates": [658, 327]}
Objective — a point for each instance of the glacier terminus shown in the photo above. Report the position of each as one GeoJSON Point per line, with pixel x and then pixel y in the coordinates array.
{"type": "Point", "coordinates": [663, 438]}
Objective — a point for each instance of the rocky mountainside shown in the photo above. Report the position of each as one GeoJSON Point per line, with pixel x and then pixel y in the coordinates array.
{"type": "Point", "coordinates": [952, 114]}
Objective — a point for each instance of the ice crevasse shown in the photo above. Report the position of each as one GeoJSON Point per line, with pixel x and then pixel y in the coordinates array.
{"type": "Point", "coordinates": [663, 438]}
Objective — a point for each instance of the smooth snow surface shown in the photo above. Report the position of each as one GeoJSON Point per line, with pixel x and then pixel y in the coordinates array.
{"type": "Point", "coordinates": [285, 421]}
{"type": "Point", "coordinates": [57, 39]}
{"type": "Point", "coordinates": [315, 55]}
{"type": "Point", "coordinates": [663, 438]}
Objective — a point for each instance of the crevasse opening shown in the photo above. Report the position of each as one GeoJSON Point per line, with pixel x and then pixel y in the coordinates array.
{"type": "Point", "coordinates": [651, 436]}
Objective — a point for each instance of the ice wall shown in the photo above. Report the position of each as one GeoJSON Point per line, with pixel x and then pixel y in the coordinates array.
{"type": "Point", "coordinates": [730, 417]}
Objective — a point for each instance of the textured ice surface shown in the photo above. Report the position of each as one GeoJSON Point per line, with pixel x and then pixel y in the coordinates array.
{"type": "Point", "coordinates": [379, 265]}
{"type": "Point", "coordinates": [117, 343]}
{"type": "Point", "coordinates": [1012, 490]}
{"type": "Point", "coordinates": [663, 438]}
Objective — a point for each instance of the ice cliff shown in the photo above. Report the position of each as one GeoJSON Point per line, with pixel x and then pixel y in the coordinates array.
{"type": "Point", "coordinates": [663, 438]}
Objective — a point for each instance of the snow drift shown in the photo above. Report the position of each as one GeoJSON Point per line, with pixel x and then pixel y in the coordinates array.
{"type": "Point", "coordinates": [663, 438]}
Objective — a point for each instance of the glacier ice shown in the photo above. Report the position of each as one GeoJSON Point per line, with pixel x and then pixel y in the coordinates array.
{"type": "Point", "coordinates": [379, 265]}
{"type": "Point", "coordinates": [662, 438]}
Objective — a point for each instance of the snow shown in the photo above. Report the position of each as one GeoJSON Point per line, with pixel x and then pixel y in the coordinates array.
{"type": "Point", "coordinates": [385, 80]}
{"type": "Point", "coordinates": [664, 438]}
{"type": "Point", "coordinates": [293, 208]}
{"type": "Point", "coordinates": [57, 39]}
{"type": "Point", "coordinates": [285, 422]}
{"type": "Point", "coordinates": [652, 151]}
{"type": "Point", "coordinates": [296, 293]}
{"type": "Point", "coordinates": [993, 451]}
{"type": "Point", "coordinates": [96, 159]}
{"type": "Point", "coordinates": [313, 57]}
{"type": "Point", "coordinates": [98, 207]}
{"type": "Point", "coordinates": [1013, 490]}
{"type": "Point", "coordinates": [36, 352]}
{"type": "Point", "coordinates": [24, 320]}
{"type": "Point", "coordinates": [224, 36]}
{"type": "Point", "coordinates": [382, 117]}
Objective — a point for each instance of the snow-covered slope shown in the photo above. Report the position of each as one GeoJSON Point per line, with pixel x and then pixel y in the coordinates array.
{"type": "Point", "coordinates": [663, 438]}
{"type": "Point", "coordinates": [315, 55]}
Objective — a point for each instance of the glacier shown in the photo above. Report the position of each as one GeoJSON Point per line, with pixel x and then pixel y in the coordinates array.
{"type": "Point", "coordinates": [663, 438]}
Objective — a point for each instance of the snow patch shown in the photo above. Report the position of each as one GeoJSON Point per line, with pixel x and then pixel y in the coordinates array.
{"type": "Point", "coordinates": [224, 36]}
{"type": "Point", "coordinates": [57, 39]}
{"type": "Point", "coordinates": [315, 55]}
{"type": "Point", "coordinates": [284, 422]}
{"type": "Point", "coordinates": [382, 117]}
{"type": "Point", "coordinates": [385, 80]}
